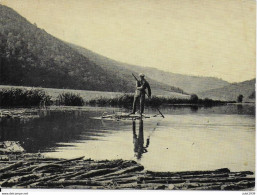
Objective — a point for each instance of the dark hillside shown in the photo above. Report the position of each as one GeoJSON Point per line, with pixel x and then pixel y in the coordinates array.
{"type": "Point", "coordinates": [30, 56]}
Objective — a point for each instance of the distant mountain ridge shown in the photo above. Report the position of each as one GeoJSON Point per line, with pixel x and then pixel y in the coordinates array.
{"type": "Point", "coordinates": [232, 91]}
{"type": "Point", "coordinates": [190, 84]}
{"type": "Point", "coordinates": [122, 71]}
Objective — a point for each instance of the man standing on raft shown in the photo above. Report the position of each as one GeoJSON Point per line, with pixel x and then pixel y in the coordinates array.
{"type": "Point", "coordinates": [140, 92]}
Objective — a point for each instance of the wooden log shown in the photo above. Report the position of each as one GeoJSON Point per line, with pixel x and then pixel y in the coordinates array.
{"type": "Point", "coordinates": [235, 174]}
{"type": "Point", "coordinates": [50, 179]}
{"type": "Point", "coordinates": [75, 168]}
{"type": "Point", "coordinates": [56, 164]}
{"type": "Point", "coordinates": [94, 173]}
{"type": "Point", "coordinates": [108, 164]}
{"type": "Point", "coordinates": [197, 180]}
{"type": "Point", "coordinates": [127, 170]}
{"type": "Point", "coordinates": [128, 180]}
{"type": "Point", "coordinates": [209, 187]}
{"type": "Point", "coordinates": [126, 175]}
{"type": "Point", "coordinates": [25, 169]}
{"type": "Point", "coordinates": [7, 162]}
{"type": "Point", "coordinates": [4, 158]}
{"type": "Point", "coordinates": [4, 151]}
{"type": "Point", "coordinates": [168, 174]}
{"type": "Point", "coordinates": [128, 163]}
{"type": "Point", "coordinates": [70, 175]}
{"type": "Point", "coordinates": [204, 180]}
{"type": "Point", "coordinates": [188, 177]}
{"type": "Point", "coordinates": [193, 185]}
{"type": "Point", "coordinates": [147, 178]}
{"type": "Point", "coordinates": [12, 166]}
{"type": "Point", "coordinates": [44, 159]}
{"type": "Point", "coordinates": [132, 169]}
{"type": "Point", "coordinates": [141, 186]}
{"type": "Point", "coordinates": [101, 161]}
{"type": "Point", "coordinates": [15, 181]}
{"type": "Point", "coordinates": [239, 185]}
{"type": "Point", "coordinates": [213, 175]}
{"type": "Point", "coordinates": [13, 174]}
{"type": "Point", "coordinates": [34, 182]}
{"type": "Point", "coordinates": [229, 186]}
{"type": "Point", "coordinates": [47, 166]}
{"type": "Point", "coordinates": [205, 175]}
{"type": "Point", "coordinates": [152, 186]}
{"type": "Point", "coordinates": [85, 187]}
{"type": "Point", "coordinates": [90, 165]}
{"type": "Point", "coordinates": [133, 185]}
{"type": "Point", "coordinates": [70, 160]}
{"type": "Point", "coordinates": [75, 182]}
{"type": "Point", "coordinates": [131, 179]}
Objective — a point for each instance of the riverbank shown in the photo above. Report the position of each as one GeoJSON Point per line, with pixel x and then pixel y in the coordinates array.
{"type": "Point", "coordinates": [88, 95]}
{"type": "Point", "coordinates": [42, 97]}
{"type": "Point", "coordinates": [26, 170]}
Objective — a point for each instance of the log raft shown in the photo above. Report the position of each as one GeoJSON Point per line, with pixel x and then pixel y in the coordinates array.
{"type": "Point", "coordinates": [35, 171]}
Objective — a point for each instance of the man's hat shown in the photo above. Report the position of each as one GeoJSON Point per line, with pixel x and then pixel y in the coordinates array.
{"type": "Point", "coordinates": [141, 75]}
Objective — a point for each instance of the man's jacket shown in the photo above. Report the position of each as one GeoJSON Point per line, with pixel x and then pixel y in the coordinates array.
{"type": "Point", "coordinates": [141, 87]}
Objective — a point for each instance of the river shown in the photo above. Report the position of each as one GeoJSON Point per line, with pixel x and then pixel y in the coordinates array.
{"type": "Point", "coordinates": [188, 138]}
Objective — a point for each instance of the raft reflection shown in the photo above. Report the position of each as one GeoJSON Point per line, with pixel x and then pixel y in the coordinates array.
{"type": "Point", "coordinates": [138, 140]}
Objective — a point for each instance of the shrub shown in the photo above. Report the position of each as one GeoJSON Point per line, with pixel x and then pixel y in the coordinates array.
{"type": "Point", "coordinates": [127, 101]}
{"type": "Point", "coordinates": [194, 98]}
{"type": "Point", "coordinates": [23, 97]}
{"type": "Point", "coordinates": [252, 96]}
{"type": "Point", "coordinates": [70, 99]}
{"type": "Point", "coordinates": [240, 98]}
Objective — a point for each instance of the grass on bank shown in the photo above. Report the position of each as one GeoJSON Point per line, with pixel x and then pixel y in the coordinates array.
{"type": "Point", "coordinates": [21, 97]}
{"type": "Point", "coordinates": [70, 99]}
{"type": "Point", "coordinates": [11, 97]}
{"type": "Point", "coordinates": [126, 101]}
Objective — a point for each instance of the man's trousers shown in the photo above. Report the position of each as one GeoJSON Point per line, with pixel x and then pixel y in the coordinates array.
{"type": "Point", "coordinates": [140, 97]}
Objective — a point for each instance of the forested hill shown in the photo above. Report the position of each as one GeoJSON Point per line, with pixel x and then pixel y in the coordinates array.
{"type": "Point", "coordinates": [121, 69]}
{"type": "Point", "coordinates": [232, 91]}
{"type": "Point", "coordinates": [190, 84]}
{"type": "Point", "coordinates": [32, 57]}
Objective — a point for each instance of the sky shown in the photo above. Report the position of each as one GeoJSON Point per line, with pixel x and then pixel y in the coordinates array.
{"type": "Point", "coordinates": [197, 37]}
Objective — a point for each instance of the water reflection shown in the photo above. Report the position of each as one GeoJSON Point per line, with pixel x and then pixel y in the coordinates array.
{"type": "Point", "coordinates": [50, 129]}
{"type": "Point", "coordinates": [138, 140]}
{"type": "Point", "coordinates": [54, 128]}
{"type": "Point", "coordinates": [240, 108]}
{"type": "Point", "coordinates": [194, 108]}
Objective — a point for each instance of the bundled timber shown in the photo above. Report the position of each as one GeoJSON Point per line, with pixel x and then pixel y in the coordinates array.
{"type": "Point", "coordinates": [126, 116]}
{"type": "Point", "coordinates": [35, 171]}
{"type": "Point", "coordinates": [12, 166]}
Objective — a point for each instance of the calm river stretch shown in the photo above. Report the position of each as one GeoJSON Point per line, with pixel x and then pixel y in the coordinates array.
{"type": "Point", "coordinates": [188, 138]}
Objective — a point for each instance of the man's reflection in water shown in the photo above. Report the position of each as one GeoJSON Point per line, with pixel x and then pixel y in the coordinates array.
{"type": "Point", "coordinates": [239, 109]}
{"type": "Point", "coordinates": [138, 141]}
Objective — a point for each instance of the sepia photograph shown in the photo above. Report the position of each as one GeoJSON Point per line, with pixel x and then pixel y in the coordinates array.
{"type": "Point", "coordinates": [128, 95]}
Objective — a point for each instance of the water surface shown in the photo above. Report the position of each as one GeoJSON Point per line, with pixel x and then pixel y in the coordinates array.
{"type": "Point", "coordinates": [188, 138]}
